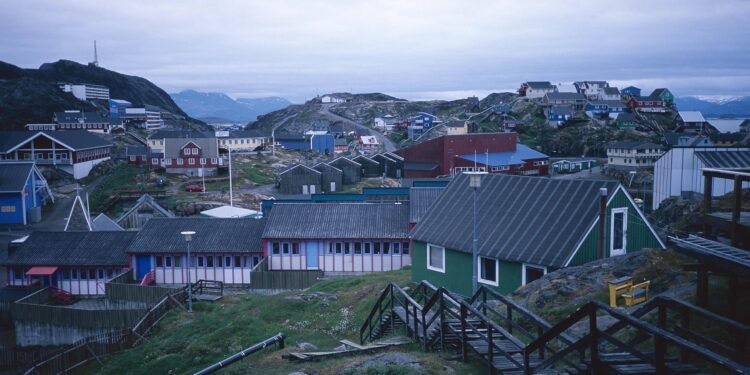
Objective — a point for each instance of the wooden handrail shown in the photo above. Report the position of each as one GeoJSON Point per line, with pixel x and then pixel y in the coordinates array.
{"type": "Point", "coordinates": [465, 323]}
{"type": "Point", "coordinates": [494, 325]}
{"type": "Point", "coordinates": [368, 322]}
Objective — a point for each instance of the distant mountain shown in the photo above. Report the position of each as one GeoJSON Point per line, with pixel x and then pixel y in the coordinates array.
{"type": "Point", "coordinates": [716, 107]}
{"type": "Point", "coordinates": [32, 95]}
{"type": "Point", "coordinates": [218, 105]}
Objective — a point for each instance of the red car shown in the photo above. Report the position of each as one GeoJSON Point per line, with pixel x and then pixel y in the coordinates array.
{"type": "Point", "coordinates": [194, 188]}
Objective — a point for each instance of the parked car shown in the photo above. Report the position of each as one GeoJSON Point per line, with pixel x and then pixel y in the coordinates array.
{"type": "Point", "coordinates": [194, 188]}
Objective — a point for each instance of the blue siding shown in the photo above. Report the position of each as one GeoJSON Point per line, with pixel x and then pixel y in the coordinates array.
{"type": "Point", "coordinates": [295, 144]}
{"type": "Point", "coordinates": [12, 208]}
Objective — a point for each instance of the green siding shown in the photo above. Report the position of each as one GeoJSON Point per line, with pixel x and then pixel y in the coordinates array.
{"type": "Point", "coordinates": [457, 276]}
{"type": "Point", "coordinates": [638, 234]}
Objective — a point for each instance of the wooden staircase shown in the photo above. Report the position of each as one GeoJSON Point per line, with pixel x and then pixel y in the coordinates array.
{"type": "Point", "coordinates": [509, 339]}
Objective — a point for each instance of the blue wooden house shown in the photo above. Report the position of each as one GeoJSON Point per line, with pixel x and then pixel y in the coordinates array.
{"type": "Point", "coordinates": [23, 193]}
{"type": "Point", "coordinates": [426, 120]}
{"type": "Point", "coordinates": [596, 107]}
{"type": "Point", "coordinates": [558, 115]}
{"type": "Point", "coordinates": [631, 91]}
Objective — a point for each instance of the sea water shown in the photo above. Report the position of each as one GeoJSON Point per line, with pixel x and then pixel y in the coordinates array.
{"type": "Point", "coordinates": [726, 125]}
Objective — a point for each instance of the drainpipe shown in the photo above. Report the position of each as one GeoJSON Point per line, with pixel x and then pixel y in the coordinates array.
{"type": "Point", "coordinates": [602, 220]}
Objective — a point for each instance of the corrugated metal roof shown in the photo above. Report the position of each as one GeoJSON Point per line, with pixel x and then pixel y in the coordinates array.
{"type": "Point", "coordinates": [691, 116]}
{"type": "Point", "coordinates": [104, 248]}
{"type": "Point", "coordinates": [724, 159]}
{"type": "Point", "coordinates": [13, 176]}
{"type": "Point", "coordinates": [212, 235]}
{"type": "Point", "coordinates": [338, 220]}
{"type": "Point", "coordinates": [521, 219]}
{"type": "Point", "coordinates": [495, 159]}
{"type": "Point", "coordinates": [420, 201]}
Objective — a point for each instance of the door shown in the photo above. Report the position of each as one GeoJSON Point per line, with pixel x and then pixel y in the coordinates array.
{"type": "Point", "coordinates": [333, 186]}
{"type": "Point", "coordinates": [618, 232]}
{"type": "Point", "coordinates": [311, 248]}
{"type": "Point", "coordinates": [312, 189]}
{"type": "Point", "coordinates": [304, 190]}
{"type": "Point", "coordinates": [143, 265]}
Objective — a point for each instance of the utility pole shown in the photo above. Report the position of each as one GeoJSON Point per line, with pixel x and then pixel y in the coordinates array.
{"type": "Point", "coordinates": [231, 201]}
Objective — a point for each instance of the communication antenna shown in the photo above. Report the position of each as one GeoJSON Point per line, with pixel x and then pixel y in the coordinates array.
{"type": "Point", "coordinates": [96, 56]}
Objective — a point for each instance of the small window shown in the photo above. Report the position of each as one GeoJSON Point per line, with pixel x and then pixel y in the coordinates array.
{"type": "Point", "coordinates": [285, 248]}
{"type": "Point", "coordinates": [368, 246]}
{"type": "Point", "coordinates": [295, 248]}
{"type": "Point", "coordinates": [227, 262]}
{"type": "Point", "coordinates": [131, 157]}
{"type": "Point", "coordinates": [186, 151]}
{"type": "Point", "coordinates": [168, 261]}
{"type": "Point", "coordinates": [201, 261]}
{"type": "Point", "coordinates": [376, 248]}
{"type": "Point", "coordinates": [159, 261]}
{"type": "Point", "coordinates": [237, 261]}
{"type": "Point", "coordinates": [338, 247]}
{"type": "Point", "coordinates": [203, 161]}
{"type": "Point", "coordinates": [100, 273]}
{"type": "Point", "coordinates": [179, 161]}
{"type": "Point", "coordinates": [210, 261]}
{"type": "Point", "coordinates": [488, 271]}
{"type": "Point", "coordinates": [110, 273]}
{"type": "Point", "coordinates": [66, 274]}
{"type": "Point", "coordinates": [330, 248]}
{"type": "Point", "coordinates": [191, 161]}
{"type": "Point", "coordinates": [73, 274]}
{"type": "Point", "coordinates": [92, 274]}
{"type": "Point", "coordinates": [347, 249]}
{"type": "Point", "coordinates": [436, 258]}
{"type": "Point", "coordinates": [84, 275]}
{"type": "Point", "coordinates": [531, 273]}
{"type": "Point", "coordinates": [386, 248]}
{"type": "Point", "coordinates": [195, 151]}
{"type": "Point", "coordinates": [405, 246]}
{"type": "Point", "coordinates": [178, 261]}
{"type": "Point", "coordinates": [154, 161]}
{"type": "Point", "coordinates": [396, 250]}
{"type": "Point", "coordinates": [275, 248]}
{"type": "Point", "coordinates": [357, 248]}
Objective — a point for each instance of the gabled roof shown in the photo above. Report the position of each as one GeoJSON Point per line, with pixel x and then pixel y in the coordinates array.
{"type": "Point", "coordinates": [420, 201]}
{"type": "Point", "coordinates": [611, 91]}
{"type": "Point", "coordinates": [691, 116]}
{"type": "Point", "coordinates": [416, 166]}
{"type": "Point", "coordinates": [145, 200]}
{"type": "Point", "coordinates": [323, 165]}
{"type": "Point", "coordinates": [393, 156]}
{"type": "Point", "coordinates": [540, 85]}
{"type": "Point", "coordinates": [104, 248]}
{"type": "Point", "coordinates": [103, 222]}
{"type": "Point", "coordinates": [725, 159]}
{"type": "Point", "coordinates": [338, 220]}
{"type": "Point", "coordinates": [136, 150]}
{"type": "Point", "coordinates": [208, 146]}
{"type": "Point", "coordinates": [496, 159]}
{"type": "Point", "coordinates": [14, 175]}
{"type": "Point", "coordinates": [521, 219]}
{"type": "Point", "coordinates": [212, 235]}
{"type": "Point", "coordinates": [296, 166]}
{"type": "Point", "coordinates": [76, 140]}
{"type": "Point", "coordinates": [658, 92]}
{"type": "Point", "coordinates": [342, 159]}
{"type": "Point", "coordinates": [365, 159]}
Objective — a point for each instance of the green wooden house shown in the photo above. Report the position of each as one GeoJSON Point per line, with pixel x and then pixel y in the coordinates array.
{"type": "Point", "coordinates": [572, 165]}
{"type": "Point", "coordinates": [626, 120]}
{"type": "Point", "coordinates": [526, 227]}
{"type": "Point", "coordinates": [665, 95]}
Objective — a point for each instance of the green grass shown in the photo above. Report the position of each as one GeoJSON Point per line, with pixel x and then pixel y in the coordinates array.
{"type": "Point", "coordinates": [184, 343]}
{"type": "Point", "coordinates": [124, 176]}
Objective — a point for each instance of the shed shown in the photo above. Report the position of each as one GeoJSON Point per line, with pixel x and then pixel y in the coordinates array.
{"type": "Point", "coordinates": [391, 166]}
{"type": "Point", "coordinates": [331, 177]}
{"type": "Point", "coordinates": [370, 168]}
{"type": "Point", "coordinates": [299, 179]}
{"type": "Point", "coordinates": [352, 170]}
{"type": "Point", "coordinates": [23, 192]}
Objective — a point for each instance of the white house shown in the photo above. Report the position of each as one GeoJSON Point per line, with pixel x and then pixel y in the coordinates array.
{"type": "Point", "coordinates": [678, 173]}
{"type": "Point", "coordinates": [331, 99]}
{"type": "Point", "coordinates": [386, 122]}
{"type": "Point", "coordinates": [536, 89]}
{"type": "Point", "coordinates": [633, 154]}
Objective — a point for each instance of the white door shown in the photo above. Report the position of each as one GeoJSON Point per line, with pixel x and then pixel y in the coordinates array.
{"type": "Point", "coordinates": [304, 190]}
{"type": "Point", "coordinates": [333, 186]}
{"type": "Point", "coordinates": [618, 233]}
{"type": "Point", "coordinates": [312, 189]}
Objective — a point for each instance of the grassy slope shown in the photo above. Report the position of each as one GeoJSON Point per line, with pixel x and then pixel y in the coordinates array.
{"type": "Point", "coordinates": [184, 344]}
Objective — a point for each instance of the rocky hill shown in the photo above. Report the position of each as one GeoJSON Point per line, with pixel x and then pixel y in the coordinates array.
{"type": "Point", "coordinates": [32, 95]}
{"type": "Point", "coordinates": [723, 107]}
{"type": "Point", "coordinates": [207, 105]}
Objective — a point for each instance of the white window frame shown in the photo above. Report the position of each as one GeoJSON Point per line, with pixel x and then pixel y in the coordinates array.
{"type": "Point", "coordinates": [191, 161]}
{"type": "Point", "coordinates": [195, 151]}
{"type": "Point", "coordinates": [523, 271]}
{"type": "Point", "coordinates": [431, 268]}
{"type": "Point", "coordinates": [612, 251]}
{"type": "Point", "coordinates": [131, 157]}
{"type": "Point", "coordinates": [479, 272]}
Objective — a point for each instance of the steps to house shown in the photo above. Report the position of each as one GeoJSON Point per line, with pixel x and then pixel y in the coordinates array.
{"type": "Point", "coordinates": [512, 340]}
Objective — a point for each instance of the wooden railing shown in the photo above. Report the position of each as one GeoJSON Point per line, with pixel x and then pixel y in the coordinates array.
{"type": "Point", "coordinates": [598, 337]}
{"type": "Point", "coordinates": [209, 287]}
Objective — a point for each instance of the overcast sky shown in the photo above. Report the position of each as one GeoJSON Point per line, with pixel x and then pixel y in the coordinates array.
{"type": "Point", "coordinates": [411, 49]}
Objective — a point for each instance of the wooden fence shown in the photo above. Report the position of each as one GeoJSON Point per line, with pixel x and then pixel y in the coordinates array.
{"type": "Point", "coordinates": [281, 280]}
{"type": "Point", "coordinates": [136, 293]}
{"type": "Point", "coordinates": [91, 348]}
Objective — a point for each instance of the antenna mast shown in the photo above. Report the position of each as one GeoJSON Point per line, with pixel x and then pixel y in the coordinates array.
{"type": "Point", "coordinates": [96, 56]}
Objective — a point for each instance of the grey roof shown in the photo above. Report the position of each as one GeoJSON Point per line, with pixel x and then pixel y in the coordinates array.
{"type": "Point", "coordinates": [561, 110]}
{"type": "Point", "coordinates": [636, 145]}
{"type": "Point", "coordinates": [420, 201]}
{"type": "Point", "coordinates": [105, 248]}
{"type": "Point", "coordinates": [11, 139]}
{"type": "Point", "coordinates": [136, 150]}
{"type": "Point", "coordinates": [212, 235]}
{"type": "Point", "coordinates": [342, 159]}
{"type": "Point", "coordinates": [13, 176]}
{"type": "Point", "coordinates": [540, 85]}
{"type": "Point", "coordinates": [208, 146]}
{"type": "Point", "coordinates": [455, 124]}
{"type": "Point", "coordinates": [693, 140]}
{"type": "Point", "coordinates": [78, 139]}
{"type": "Point", "coordinates": [361, 158]}
{"type": "Point", "coordinates": [520, 219]}
{"type": "Point", "coordinates": [75, 117]}
{"type": "Point", "coordinates": [626, 116]}
{"type": "Point", "coordinates": [724, 159]}
{"type": "Point", "coordinates": [338, 220]}
{"type": "Point", "coordinates": [340, 142]}
{"type": "Point", "coordinates": [565, 96]}
{"type": "Point", "coordinates": [148, 201]}
{"type": "Point", "coordinates": [177, 133]}
{"type": "Point", "coordinates": [420, 166]}
{"type": "Point", "coordinates": [611, 91]}
{"type": "Point", "coordinates": [103, 222]}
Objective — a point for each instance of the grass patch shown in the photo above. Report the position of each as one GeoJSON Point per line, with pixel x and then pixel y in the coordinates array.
{"type": "Point", "coordinates": [123, 176]}
{"type": "Point", "coordinates": [186, 343]}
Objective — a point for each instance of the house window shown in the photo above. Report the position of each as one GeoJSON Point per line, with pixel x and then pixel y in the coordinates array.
{"type": "Point", "coordinates": [186, 151]}
{"type": "Point", "coordinates": [295, 248]}
{"type": "Point", "coordinates": [195, 151]}
{"type": "Point", "coordinates": [154, 161]}
{"type": "Point", "coordinates": [168, 261]}
{"type": "Point", "coordinates": [396, 250]}
{"type": "Point", "coordinates": [532, 272]}
{"type": "Point", "coordinates": [237, 261]}
{"type": "Point", "coordinates": [179, 161]}
{"type": "Point", "coordinates": [169, 161]}
{"type": "Point", "coordinates": [386, 248]}
{"type": "Point", "coordinates": [100, 273]}
{"type": "Point", "coordinates": [405, 246]}
{"type": "Point", "coordinates": [92, 274]}
{"type": "Point", "coordinates": [201, 261]}
{"type": "Point", "coordinates": [210, 261]}
{"type": "Point", "coordinates": [203, 161]}
{"type": "Point", "coordinates": [488, 271]}
{"type": "Point", "coordinates": [376, 248]}
{"type": "Point", "coordinates": [191, 161]}
{"type": "Point", "coordinates": [73, 274]}
{"type": "Point", "coordinates": [435, 258]}
{"type": "Point", "coordinates": [275, 248]}
{"type": "Point", "coordinates": [618, 230]}
{"type": "Point", "coordinates": [338, 247]}
{"type": "Point", "coordinates": [357, 248]}
{"type": "Point", "coordinates": [347, 248]}
{"type": "Point", "coordinates": [285, 248]}
{"type": "Point", "coordinates": [368, 246]}
{"type": "Point", "coordinates": [178, 261]}
{"type": "Point", "coordinates": [227, 261]}
{"type": "Point", "coordinates": [131, 157]}
{"type": "Point", "coordinates": [159, 261]}
{"type": "Point", "coordinates": [84, 275]}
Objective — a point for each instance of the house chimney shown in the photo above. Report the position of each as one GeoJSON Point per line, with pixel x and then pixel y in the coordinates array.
{"type": "Point", "coordinates": [602, 220]}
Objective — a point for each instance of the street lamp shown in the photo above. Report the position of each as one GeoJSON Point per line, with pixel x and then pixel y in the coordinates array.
{"type": "Point", "coordinates": [475, 182]}
{"type": "Point", "coordinates": [188, 235]}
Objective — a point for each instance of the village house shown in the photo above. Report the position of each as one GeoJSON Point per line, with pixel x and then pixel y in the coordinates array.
{"type": "Point", "coordinates": [526, 228]}
{"type": "Point", "coordinates": [23, 193]}
{"type": "Point", "coordinates": [340, 145]}
{"type": "Point", "coordinates": [610, 93]}
{"type": "Point", "coordinates": [558, 115]}
{"type": "Point", "coordinates": [572, 165]}
{"type": "Point", "coordinates": [138, 155]}
{"type": "Point", "coordinates": [332, 99]}
{"type": "Point", "coordinates": [647, 104]}
{"type": "Point", "coordinates": [79, 263]}
{"type": "Point", "coordinates": [75, 152]}
{"type": "Point", "coordinates": [391, 165]}
{"type": "Point", "coordinates": [368, 144]}
{"type": "Point", "coordinates": [299, 179]}
{"type": "Point", "coordinates": [690, 120]}
{"type": "Point", "coordinates": [318, 141]}
{"type": "Point", "coordinates": [369, 167]}
{"type": "Point", "coordinates": [664, 95]}
{"type": "Point", "coordinates": [630, 91]}
{"type": "Point", "coordinates": [572, 100]}
{"type": "Point", "coordinates": [144, 209]}
{"type": "Point", "coordinates": [352, 171]}
{"type": "Point", "coordinates": [674, 139]}
{"type": "Point", "coordinates": [591, 89]}
{"type": "Point", "coordinates": [457, 127]}
{"type": "Point", "coordinates": [223, 250]}
{"type": "Point", "coordinates": [242, 140]}
{"type": "Point", "coordinates": [386, 123]}
{"type": "Point", "coordinates": [626, 120]}
{"type": "Point", "coordinates": [195, 154]}
{"type": "Point", "coordinates": [451, 154]}
{"type": "Point", "coordinates": [338, 237]}
{"type": "Point", "coordinates": [74, 120]}
{"type": "Point", "coordinates": [331, 178]}
{"type": "Point", "coordinates": [336, 130]}
{"type": "Point", "coordinates": [633, 154]}
{"type": "Point", "coordinates": [536, 89]}
{"type": "Point", "coordinates": [727, 139]}
{"type": "Point", "coordinates": [512, 125]}
{"type": "Point", "coordinates": [679, 172]}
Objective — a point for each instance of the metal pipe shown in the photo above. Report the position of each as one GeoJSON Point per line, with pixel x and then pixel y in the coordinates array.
{"type": "Point", "coordinates": [278, 338]}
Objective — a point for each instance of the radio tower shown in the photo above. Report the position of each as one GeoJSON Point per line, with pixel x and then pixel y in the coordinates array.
{"type": "Point", "coordinates": [96, 56]}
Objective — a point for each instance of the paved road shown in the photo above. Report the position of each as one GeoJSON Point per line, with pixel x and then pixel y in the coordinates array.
{"type": "Point", "coordinates": [385, 141]}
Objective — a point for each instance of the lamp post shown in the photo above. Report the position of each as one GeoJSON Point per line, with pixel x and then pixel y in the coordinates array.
{"type": "Point", "coordinates": [475, 182]}
{"type": "Point", "coordinates": [188, 235]}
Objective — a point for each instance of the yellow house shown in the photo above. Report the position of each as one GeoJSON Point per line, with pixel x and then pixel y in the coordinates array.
{"type": "Point", "coordinates": [457, 127]}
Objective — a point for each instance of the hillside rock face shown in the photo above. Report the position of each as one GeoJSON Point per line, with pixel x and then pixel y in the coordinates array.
{"type": "Point", "coordinates": [32, 95]}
